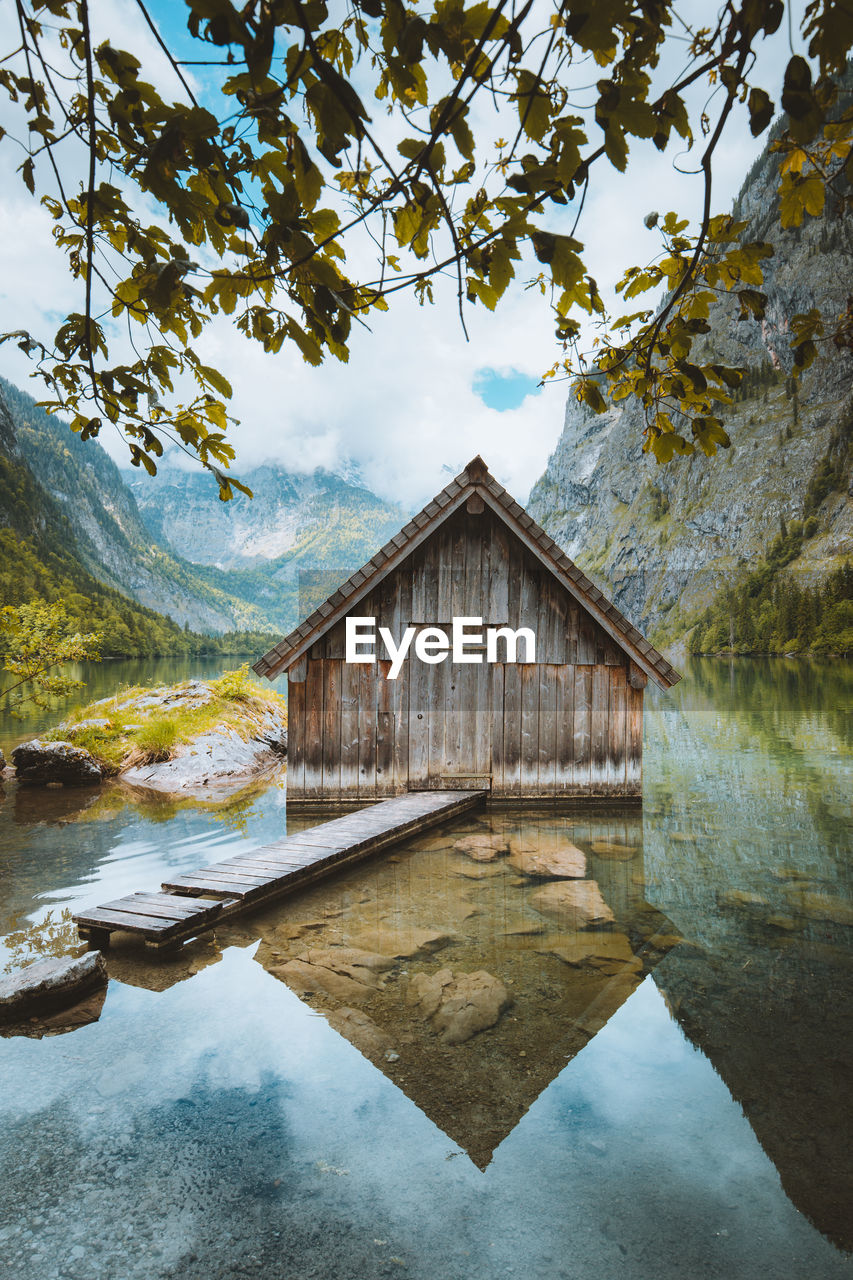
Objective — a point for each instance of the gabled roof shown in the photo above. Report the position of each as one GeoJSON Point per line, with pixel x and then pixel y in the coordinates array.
{"type": "Point", "coordinates": [475, 479]}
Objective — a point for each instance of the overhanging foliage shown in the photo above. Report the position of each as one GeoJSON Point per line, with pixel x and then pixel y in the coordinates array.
{"type": "Point", "coordinates": [171, 216]}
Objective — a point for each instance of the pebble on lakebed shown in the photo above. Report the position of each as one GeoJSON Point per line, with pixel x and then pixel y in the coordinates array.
{"type": "Point", "coordinates": [203, 740]}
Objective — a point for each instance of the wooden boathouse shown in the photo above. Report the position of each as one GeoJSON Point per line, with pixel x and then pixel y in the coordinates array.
{"type": "Point", "coordinates": [564, 719]}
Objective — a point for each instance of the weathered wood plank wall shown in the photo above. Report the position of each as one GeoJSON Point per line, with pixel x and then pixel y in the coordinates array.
{"type": "Point", "coordinates": [570, 724]}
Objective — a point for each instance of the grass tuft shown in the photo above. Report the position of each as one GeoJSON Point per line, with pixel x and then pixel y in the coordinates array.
{"type": "Point", "coordinates": [156, 740]}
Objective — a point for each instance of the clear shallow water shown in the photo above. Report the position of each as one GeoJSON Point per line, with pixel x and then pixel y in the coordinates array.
{"type": "Point", "coordinates": [674, 1105]}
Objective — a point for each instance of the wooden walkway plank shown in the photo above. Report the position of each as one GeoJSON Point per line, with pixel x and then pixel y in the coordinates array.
{"type": "Point", "coordinates": [163, 905]}
{"type": "Point", "coordinates": [98, 917]}
{"type": "Point", "coordinates": [224, 885]}
{"type": "Point", "coordinates": [246, 880]}
{"type": "Point", "coordinates": [187, 905]}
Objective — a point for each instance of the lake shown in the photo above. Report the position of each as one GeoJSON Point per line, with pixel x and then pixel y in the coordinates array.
{"type": "Point", "coordinates": [666, 1095]}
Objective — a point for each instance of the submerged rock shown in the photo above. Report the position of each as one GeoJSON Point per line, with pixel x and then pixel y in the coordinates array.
{"type": "Point", "coordinates": [363, 1032]}
{"type": "Point", "coordinates": [458, 1004]}
{"type": "Point", "coordinates": [479, 870]}
{"type": "Point", "coordinates": [578, 902]}
{"type": "Point", "coordinates": [50, 984]}
{"type": "Point", "coordinates": [604, 950]}
{"type": "Point", "coordinates": [742, 898]}
{"type": "Point", "coordinates": [353, 962]}
{"type": "Point", "coordinates": [482, 848]}
{"type": "Point", "coordinates": [820, 906]}
{"type": "Point", "coordinates": [302, 976]}
{"type": "Point", "coordinates": [43, 762]}
{"type": "Point", "coordinates": [402, 943]}
{"type": "Point", "coordinates": [565, 861]}
{"type": "Point", "coordinates": [613, 849]}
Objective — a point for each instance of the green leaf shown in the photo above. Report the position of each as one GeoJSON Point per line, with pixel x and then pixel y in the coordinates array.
{"type": "Point", "coordinates": [709, 433]}
{"type": "Point", "coordinates": [588, 392]}
{"type": "Point", "coordinates": [534, 105]}
{"type": "Point", "coordinates": [216, 380]}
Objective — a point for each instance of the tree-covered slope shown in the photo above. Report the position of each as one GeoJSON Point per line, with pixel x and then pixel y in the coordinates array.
{"type": "Point", "coordinates": [139, 534]}
{"type": "Point", "coordinates": [40, 559]}
{"type": "Point", "coordinates": [111, 540]}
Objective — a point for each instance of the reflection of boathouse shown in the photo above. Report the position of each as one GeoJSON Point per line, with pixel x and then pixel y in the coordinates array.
{"type": "Point", "coordinates": [563, 720]}
{"type": "Point", "coordinates": [437, 914]}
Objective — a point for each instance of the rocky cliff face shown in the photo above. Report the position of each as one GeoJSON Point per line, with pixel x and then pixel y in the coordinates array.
{"type": "Point", "coordinates": [665, 540]}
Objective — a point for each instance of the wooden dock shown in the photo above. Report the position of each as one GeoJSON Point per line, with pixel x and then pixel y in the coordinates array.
{"type": "Point", "coordinates": [193, 903]}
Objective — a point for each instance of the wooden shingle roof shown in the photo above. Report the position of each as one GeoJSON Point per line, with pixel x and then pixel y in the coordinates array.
{"type": "Point", "coordinates": [475, 479]}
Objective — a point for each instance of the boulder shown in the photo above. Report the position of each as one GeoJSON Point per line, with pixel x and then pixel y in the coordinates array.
{"type": "Point", "coordinates": [301, 976]}
{"type": "Point", "coordinates": [50, 984]}
{"type": "Point", "coordinates": [189, 695]}
{"type": "Point", "coordinates": [362, 1032]}
{"type": "Point", "coordinates": [458, 1004]}
{"type": "Point", "coordinates": [613, 850]}
{"type": "Point", "coordinates": [482, 848]}
{"type": "Point", "coordinates": [41, 762]}
{"type": "Point", "coordinates": [94, 722]}
{"type": "Point", "coordinates": [216, 763]}
{"type": "Point", "coordinates": [577, 904]}
{"type": "Point", "coordinates": [563, 862]}
{"type": "Point", "coordinates": [402, 943]}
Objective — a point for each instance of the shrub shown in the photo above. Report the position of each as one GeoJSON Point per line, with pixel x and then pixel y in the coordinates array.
{"type": "Point", "coordinates": [235, 686]}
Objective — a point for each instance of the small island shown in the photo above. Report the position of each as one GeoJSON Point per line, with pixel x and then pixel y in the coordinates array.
{"type": "Point", "coordinates": [199, 739]}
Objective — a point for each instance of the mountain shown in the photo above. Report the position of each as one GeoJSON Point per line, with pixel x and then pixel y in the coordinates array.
{"type": "Point", "coordinates": [169, 543]}
{"type": "Point", "coordinates": [670, 541]}
{"type": "Point", "coordinates": [321, 523]}
{"type": "Point", "coordinates": [292, 518]}
{"type": "Point", "coordinates": [40, 559]}
{"type": "Point", "coordinates": [110, 539]}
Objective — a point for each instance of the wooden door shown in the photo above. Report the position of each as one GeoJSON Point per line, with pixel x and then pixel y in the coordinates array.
{"type": "Point", "coordinates": [450, 726]}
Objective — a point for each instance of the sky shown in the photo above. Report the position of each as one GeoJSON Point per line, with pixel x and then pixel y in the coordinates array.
{"type": "Point", "coordinates": [416, 400]}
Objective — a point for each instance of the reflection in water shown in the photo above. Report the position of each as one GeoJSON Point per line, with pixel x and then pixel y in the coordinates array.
{"type": "Point", "coordinates": [58, 1022]}
{"type": "Point", "coordinates": [748, 844]}
{"type": "Point", "coordinates": [246, 1108]}
{"type": "Point", "coordinates": [457, 977]}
